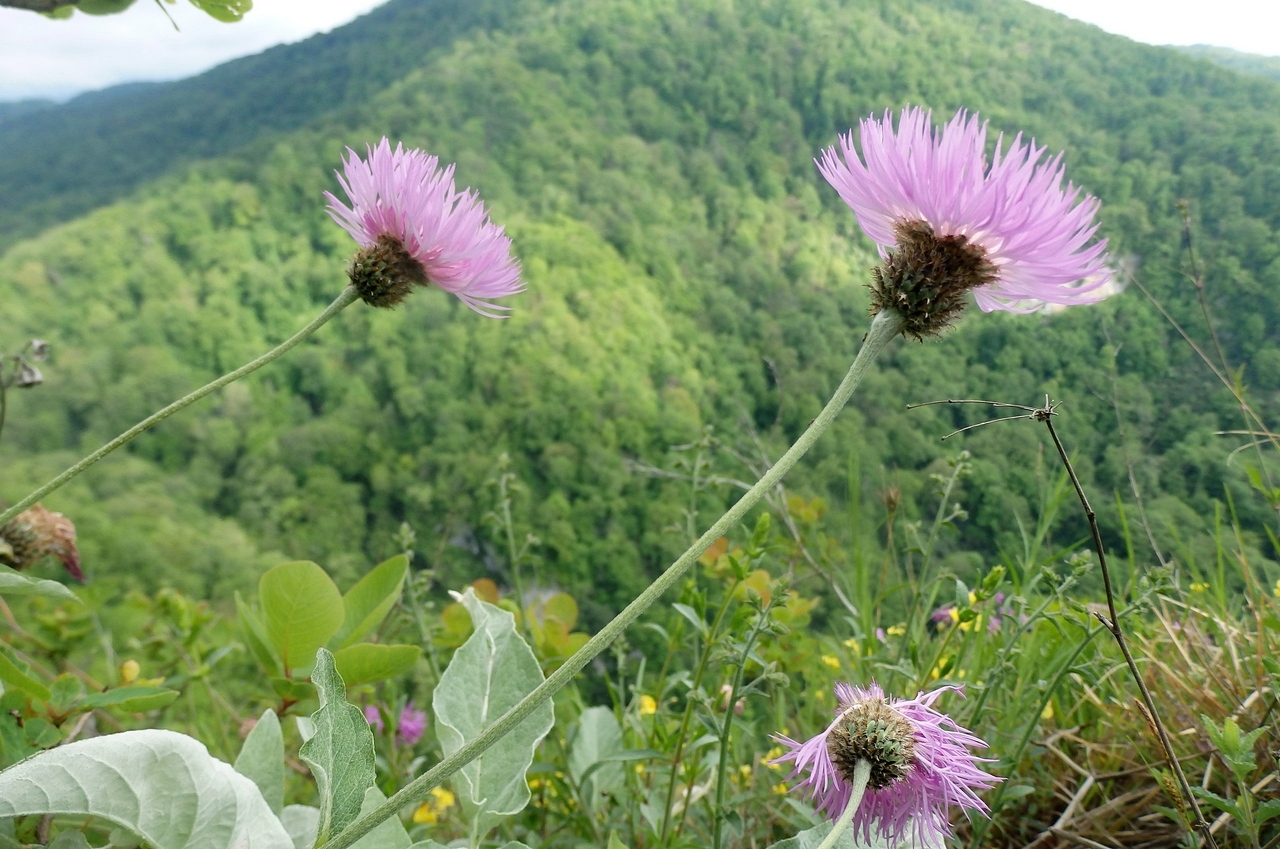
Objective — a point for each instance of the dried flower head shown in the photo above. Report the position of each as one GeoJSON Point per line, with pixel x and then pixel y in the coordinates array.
{"type": "Point", "coordinates": [920, 765]}
{"type": "Point", "coordinates": [38, 533]}
{"type": "Point", "coordinates": [415, 228]}
{"type": "Point", "coordinates": [947, 222]}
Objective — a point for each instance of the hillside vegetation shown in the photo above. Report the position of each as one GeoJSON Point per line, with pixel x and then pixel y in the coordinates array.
{"type": "Point", "coordinates": [687, 268]}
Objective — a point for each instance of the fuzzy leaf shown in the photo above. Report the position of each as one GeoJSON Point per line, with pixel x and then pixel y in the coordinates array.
{"type": "Point", "coordinates": [261, 759]}
{"type": "Point", "coordinates": [488, 675]}
{"type": "Point", "coordinates": [164, 787]}
{"type": "Point", "coordinates": [598, 740]}
{"type": "Point", "coordinates": [341, 752]}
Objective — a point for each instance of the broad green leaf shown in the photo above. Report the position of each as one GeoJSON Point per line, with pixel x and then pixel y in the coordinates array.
{"type": "Point", "coordinates": [614, 842]}
{"type": "Point", "coordinates": [365, 663]}
{"type": "Point", "coordinates": [133, 699]}
{"type": "Point", "coordinates": [164, 787]}
{"type": "Point", "coordinates": [341, 752]}
{"type": "Point", "coordinates": [598, 737]}
{"type": "Point", "coordinates": [488, 675]}
{"type": "Point", "coordinates": [261, 759]}
{"type": "Point", "coordinates": [14, 676]}
{"type": "Point", "coordinates": [12, 583]}
{"type": "Point", "coordinates": [255, 634]}
{"type": "Point", "coordinates": [301, 608]}
{"type": "Point", "coordinates": [300, 821]}
{"type": "Point", "coordinates": [369, 601]}
{"type": "Point", "coordinates": [227, 11]}
{"type": "Point", "coordinates": [103, 7]}
{"type": "Point", "coordinates": [428, 844]}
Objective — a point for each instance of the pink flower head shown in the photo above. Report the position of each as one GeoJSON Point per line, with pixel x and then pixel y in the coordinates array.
{"type": "Point", "coordinates": [373, 716]}
{"type": "Point", "coordinates": [411, 725]}
{"type": "Point", "coordinates": [920, 765]}
{"type": "Point", "coordinates": [402, 201]}
{"type": "Point", "coordinates": [1032, 232]}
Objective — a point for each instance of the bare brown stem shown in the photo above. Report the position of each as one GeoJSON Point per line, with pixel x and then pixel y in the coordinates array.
{"type": "Point", "coordinates": [1113, 625]}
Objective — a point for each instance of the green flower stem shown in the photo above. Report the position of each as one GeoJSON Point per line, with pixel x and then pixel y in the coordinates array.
{"type": "Point", "coordinates": [861, 775]}
{"type": "Point", "coordinates": [344, 300]}
{"type": "Point", "coordinates": [884, 328]}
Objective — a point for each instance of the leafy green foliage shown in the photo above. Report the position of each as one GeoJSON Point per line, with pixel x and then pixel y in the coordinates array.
{"type": "Point", "coordinates": [301, 610]}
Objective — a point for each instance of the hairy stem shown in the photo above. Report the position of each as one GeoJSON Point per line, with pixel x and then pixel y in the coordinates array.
{"type": "Point", "coordinates": [345, 299]}
{"type": "Point", "coordinates": [884, 328]}
{"type": "Point", "coordinates": [861, 775]}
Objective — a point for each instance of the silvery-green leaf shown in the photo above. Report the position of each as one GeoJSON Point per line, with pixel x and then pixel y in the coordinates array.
{"type": "Point", "coordinates": [488, 675]}
{"type": "Point", "coordinates": [389, 834]}
{"type": "Point", "coordinates": [69, 840]}
{"type": "Point", "coordinates": [300, 821]}
{"type": "Point", "coordinates": [811, 838]}
{"type": "Point", "coordinates": [163, 786]}
{"type": "Point", "coordinates": [306, 728]}
{"type": "Point", "coordinates": [598, 738]}
{"type": "Point", "coordinates": [261, 759]}
{"type": "Point", "coordinates": [341, 752]}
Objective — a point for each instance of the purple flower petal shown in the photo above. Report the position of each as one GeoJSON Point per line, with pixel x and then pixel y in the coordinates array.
{"type": "Point", "coordinates": [913, 808]}
{"type": "Point", "coordinates": [1034, 231]}
{"type": "Point", "coordinates": [404, 194]}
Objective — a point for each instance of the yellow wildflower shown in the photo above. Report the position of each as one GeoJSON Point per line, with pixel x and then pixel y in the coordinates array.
{"type": "Point", "coordinates": [897, 630]}
{"type": "Point", "coordinates": [648, 705]}
{"type": "Point", "coordinates": [129, 671]}
{"type": "Point", "coordinates": [780, 789]}
{"type": "Point", "coordinates": [745, 771]}
{"type": "Point", "coordinates": [1047, 713]}
{"type": "Point", "coordinates": [1198, 587]}
{"type": "Point", "coordinates": [429, 811]}
{"type": "Point", "coordinates": [1276, 591]}
{"type": "Point", "coordinates": [771, 756]}
{"type": "Point", "coordinates": [852, 645]}
{"type": "Point", "coordinates": [833, 662]}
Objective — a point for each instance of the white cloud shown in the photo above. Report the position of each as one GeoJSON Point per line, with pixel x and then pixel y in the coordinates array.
{"type": "Point", "coordinates": [46, 58]}
{"type": "Point", "coordinates": [1251, 26]}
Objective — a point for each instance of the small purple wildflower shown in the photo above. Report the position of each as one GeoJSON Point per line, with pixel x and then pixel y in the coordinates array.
{"type": "Point", "coordinates": [415, 228]}
{"type": "Point", "coordinates": [920, 759]}
{"type": "Point", "coordinates": [1008, 230]}
{"type": "Point", "coordinates": [373, 716]}
{"type": "Point", "coordinates": [411, 725]}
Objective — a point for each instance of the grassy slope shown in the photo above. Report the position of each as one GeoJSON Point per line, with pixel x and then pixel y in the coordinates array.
{"type": "Point", "coordinates": [652, 162]}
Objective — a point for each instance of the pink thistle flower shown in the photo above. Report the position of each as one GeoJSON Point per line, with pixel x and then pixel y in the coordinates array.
{"type": "Point", "coordinates": [416, 228]}
{"type": "Point", "coordinates": [920, 765]}
{"type": "Point", "coordinates": [1008, 229]}
{"type": "Point", "coordinates": [373, 716]}
{"type": "Point", "coordinates": [411, 725]}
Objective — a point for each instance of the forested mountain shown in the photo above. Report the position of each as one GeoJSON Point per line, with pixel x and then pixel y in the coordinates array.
{"type": "Point", "coordinates": [687, 266]}
{"type": "Point", "coordinates": [1245, 63]}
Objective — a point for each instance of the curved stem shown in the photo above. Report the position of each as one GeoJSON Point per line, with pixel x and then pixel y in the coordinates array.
{"type": "Point", "coordinates": [861, 775]}
{"type": "Point", "coordinates": [883, 329]}
{"type": "Point", "coordinates": [344, 300]}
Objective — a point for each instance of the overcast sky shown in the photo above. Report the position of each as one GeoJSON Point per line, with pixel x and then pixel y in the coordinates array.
{"type": "Point", "coordinates": [44, 58]}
